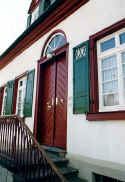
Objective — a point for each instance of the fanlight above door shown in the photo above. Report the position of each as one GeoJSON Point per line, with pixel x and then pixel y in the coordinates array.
{"type": "Point", "coordinates": [56, 42]}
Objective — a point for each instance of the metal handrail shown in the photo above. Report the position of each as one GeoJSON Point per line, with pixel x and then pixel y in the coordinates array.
{"type": "Point", "coordinates": [18, 145]}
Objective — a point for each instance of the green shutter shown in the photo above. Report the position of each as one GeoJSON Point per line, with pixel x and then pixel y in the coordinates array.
{"type": "Point", "coordinates": [41, 7]}
{"type": "Point", "coordinates": [81, 98]}
{"type": "Point", "coordinates": [29, 94]}
{"type": "Point", "coordinates": [29, 20]}
{"type": "Point", "coordinates": [9, 98]}
{"type": "Point", "coordinates": [47, 4]}
{"type": "Point", "coordinates": [53, 1]}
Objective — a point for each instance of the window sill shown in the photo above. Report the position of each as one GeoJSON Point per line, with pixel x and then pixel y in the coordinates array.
{"type": "Point", "coordinates": [105, 116]}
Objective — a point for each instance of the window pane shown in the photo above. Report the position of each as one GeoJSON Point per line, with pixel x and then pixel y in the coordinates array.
{"type": "Point", "coordinates": [62, 41]}
{"type": "Point", "coordinates": [122, 38]}
{"type": "Point", "coordinates": [124, 83]}
{"type": "Point", "coordinates": [20, 97]}
{"type": "Point", "coordinates": [109, 62]}
{"type": "Point", "coordinates": [19, 102]}
{"type": "Point", "coordinates": [110, 74]}
{"type": "Point", "coordinates": [57, 42]}
{"type": "Point", "coordinates": [109, 81]}
{"type": "Point", "coordinates": [123, 67]}
{"type": "Point", "coordinates": [4, 111]}
{"type": "Point", "coordinates": [48, 50]}
{"type": "Point", "coordinates": [110, 87]}
{"type": "Point", "coordinates": [123, 57]}
{"type": "Point", "coordinates": [110, 99]}
{"type": "Point", "coordinates": [108, 44]}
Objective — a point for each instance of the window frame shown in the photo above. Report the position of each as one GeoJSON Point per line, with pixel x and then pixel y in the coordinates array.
{"type": "Point", "coordinates": [3, 101]}
{"type": "Point", "coordinates": [50, 40]}
{"type": "Point", "coordinates": [23, 89]}
{"type": "Point", "coordinates": [116, 51]}
{"type": "Point", "coordinates": [94, 114]}
{"type": "Point", "coordinates": [1, 98]}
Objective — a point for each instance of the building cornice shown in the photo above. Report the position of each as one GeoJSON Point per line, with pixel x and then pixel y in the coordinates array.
{"type": "Point", "coordinates": [55, 14]}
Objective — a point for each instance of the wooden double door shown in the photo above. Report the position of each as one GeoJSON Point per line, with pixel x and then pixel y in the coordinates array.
{"type": "Point", "coordinates": [53, 111]}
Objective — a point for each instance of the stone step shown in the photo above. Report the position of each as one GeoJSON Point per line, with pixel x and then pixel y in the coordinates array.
{"type": "Point", "coordinates": [75, 179]}
{"type": "Point", "coordinates": [69, 172]}
{"type": "Point", "coordinates": [59, 161]}
{"type": "Point", "coordinates": [55, 150]}
{"type": "Point", "coordinates": [58, 156]}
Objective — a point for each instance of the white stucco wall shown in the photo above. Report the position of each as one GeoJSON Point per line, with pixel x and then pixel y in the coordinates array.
{"type": "Point", "coordinates": [100, 140]}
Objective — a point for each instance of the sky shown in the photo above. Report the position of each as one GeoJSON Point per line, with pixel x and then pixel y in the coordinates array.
{"type": "Point", "coordinates": [13, 18]}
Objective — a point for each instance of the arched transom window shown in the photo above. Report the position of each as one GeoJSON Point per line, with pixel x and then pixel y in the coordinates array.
{"type": "Point", "coordinates": [56, 42]}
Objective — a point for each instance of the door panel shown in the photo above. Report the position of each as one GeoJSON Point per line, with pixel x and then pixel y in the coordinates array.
{"type": "Point", "coordinates": [47, 107]}
{"type": "Point", "coordinates": [61, 103]}
{"type": "Point", "coordinates": [54, 119]}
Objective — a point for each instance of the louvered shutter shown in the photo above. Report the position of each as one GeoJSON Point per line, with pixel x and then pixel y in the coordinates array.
{"type": "Point", "coordinates": [29, 94]}
{"type": "Point", "coordinates": [9, 99]}
{"type": "Point", "coordinates": [81, 98]}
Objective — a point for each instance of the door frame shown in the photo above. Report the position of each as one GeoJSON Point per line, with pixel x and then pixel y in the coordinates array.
{"type": "Point", "coordinates": [38, 103]}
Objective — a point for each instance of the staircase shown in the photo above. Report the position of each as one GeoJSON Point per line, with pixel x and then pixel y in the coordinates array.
{"type": "Point", "coordinates": [22, 155]}
{"type": "Point", "coordinates": [58, 156]}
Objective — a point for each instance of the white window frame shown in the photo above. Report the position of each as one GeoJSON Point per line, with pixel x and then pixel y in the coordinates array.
{"type": "Point", "coordinates": [3, 102]}
{"type": "Point", "coordinates": [23, 89]}
{"type": "Point", "coordinates": [119, 48]}
{"type": "Point", "coordinates": [56, 47]}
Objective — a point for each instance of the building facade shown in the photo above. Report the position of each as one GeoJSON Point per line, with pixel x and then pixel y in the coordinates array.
{"type": "Point", "coordinates": [65, 75]}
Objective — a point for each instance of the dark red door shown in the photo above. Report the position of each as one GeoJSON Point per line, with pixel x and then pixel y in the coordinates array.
{"type": "Point", "coordinates": [54, 102]}
{"type": "Point", "coordinates": [61, 103]}
{"type": "Point", "coordinates": [47, 106]}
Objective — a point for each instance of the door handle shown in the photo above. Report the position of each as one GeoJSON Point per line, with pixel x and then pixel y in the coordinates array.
{"type": "Point", "coordinates": [59, 100]}
{"type": "Point", "coordinates": [50, 104]}
{"type": "Point", "coordinates": [62, 101]}
{"type": "Point", "coordinates": [52, 101]}
{"type": "Point", "coordinates": [49, 107]}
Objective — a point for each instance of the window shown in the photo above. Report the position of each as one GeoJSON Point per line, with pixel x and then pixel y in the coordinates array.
{"type": "Point", "coordinates": [17, 96]}
{"type": "Point", "coordinates": [107, 73]}
{"type": "Point", "coordinates": [111, 71]}
{"type": "Point", "coordinates": [55, 42]}
{"type": "Point", "coordinates": [21, 96]}
{"type": "Point", "coordinates": [4, 102]}
{"type": "Point", "coordinates": [101, 178]}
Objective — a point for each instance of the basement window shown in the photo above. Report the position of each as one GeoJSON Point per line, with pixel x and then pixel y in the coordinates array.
{"type": "Point", "coordinates": [101, 178]}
